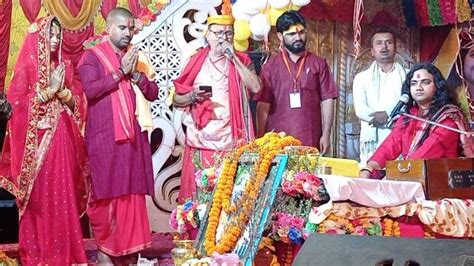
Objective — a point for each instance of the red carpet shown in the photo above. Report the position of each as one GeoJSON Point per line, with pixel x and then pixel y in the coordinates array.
{"type": "Point", "coordinates": [160, 249]}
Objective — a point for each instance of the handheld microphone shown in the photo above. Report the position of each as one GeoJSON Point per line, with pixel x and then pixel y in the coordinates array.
{"type": "Point", "coordinates": [396, 110]}
{"type": "Point", "coordinates": [228, 53]}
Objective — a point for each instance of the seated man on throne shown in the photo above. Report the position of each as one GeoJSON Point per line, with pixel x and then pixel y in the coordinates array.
{"type": "Point", "coordinates": [430, 99]}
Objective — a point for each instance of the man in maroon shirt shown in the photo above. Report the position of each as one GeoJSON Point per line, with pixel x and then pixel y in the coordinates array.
{"type": "Point", "coordinates": [119, 152]}
{"type": "Point", "coordinates": [298, 91]}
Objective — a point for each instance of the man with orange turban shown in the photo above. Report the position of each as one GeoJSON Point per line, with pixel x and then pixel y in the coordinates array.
{"type": "Point", "coordinates": [213, 87]}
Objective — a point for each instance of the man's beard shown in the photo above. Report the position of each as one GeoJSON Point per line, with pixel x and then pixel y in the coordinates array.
{"type": "Point", "coordinates": [296, 47]}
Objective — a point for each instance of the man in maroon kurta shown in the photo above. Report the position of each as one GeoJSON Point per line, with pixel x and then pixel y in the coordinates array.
{"type": "Point", "coordinates": [298, 91]}
{"type": "Point", "coordinates": [119, 153]}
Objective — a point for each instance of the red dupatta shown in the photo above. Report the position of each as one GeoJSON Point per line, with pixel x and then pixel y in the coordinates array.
{"type": "Point", "coordinates": [203, 112]}
{"type": "Point", "coordinates": [23, 151]}
{"type": "Point", "coordinates": [122, 106]}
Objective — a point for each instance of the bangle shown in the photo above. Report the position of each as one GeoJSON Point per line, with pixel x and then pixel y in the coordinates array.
{"type": "Point", "coordinates": [67, 98]}
{"type": "Point", "coordinates": [45, 95]}
{"type": "Point", "coordinates": [63, 94]}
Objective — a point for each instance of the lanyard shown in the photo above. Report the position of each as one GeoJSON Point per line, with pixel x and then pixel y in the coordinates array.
{"type": "Point", "coordinates": [300, 68]}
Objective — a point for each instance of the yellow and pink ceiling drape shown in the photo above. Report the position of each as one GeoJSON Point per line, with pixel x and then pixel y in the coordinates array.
{"type": "Point", "coordinates": [76, 16]}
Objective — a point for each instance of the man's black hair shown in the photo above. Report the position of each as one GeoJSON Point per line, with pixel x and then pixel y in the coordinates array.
{"type": "Point", "coordinates": [287, 19]}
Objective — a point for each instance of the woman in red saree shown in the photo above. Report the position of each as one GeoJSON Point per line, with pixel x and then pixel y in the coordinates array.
{"type": "Point", "coordinates": [44, 161]}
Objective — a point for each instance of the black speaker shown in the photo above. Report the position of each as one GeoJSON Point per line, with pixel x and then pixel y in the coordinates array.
{"type": "Point", "coordinates": [321, 249]}
{"type": "Point", "coordinates": [9, 220]}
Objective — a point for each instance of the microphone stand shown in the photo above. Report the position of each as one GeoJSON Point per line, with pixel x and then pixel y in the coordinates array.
{"type": "Point", "coordinates": [434, 123]}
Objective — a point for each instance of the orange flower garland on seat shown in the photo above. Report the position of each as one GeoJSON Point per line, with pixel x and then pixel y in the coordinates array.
{"type": "Point", "coordinates": [267, 148]}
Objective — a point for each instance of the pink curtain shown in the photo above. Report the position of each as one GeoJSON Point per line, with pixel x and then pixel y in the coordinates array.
{"type": "Point", "coordinates": [31, 8]}
{"type": "Point", "coordinates": [5, 23]}
{"type": "Point", "coordinates": [72, 43]}
{"type": "Point", "coordinates": [135, 7]}
{"type": "Point", "coordinates": [107, 6]}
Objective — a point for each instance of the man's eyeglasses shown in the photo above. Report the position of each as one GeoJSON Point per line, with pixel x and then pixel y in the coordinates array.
{"type": "Point", "coordinates": [222, 34]}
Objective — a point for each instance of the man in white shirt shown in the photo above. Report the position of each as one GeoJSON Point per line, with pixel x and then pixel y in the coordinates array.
{"type": "Point", "coordinates": [376, 91]}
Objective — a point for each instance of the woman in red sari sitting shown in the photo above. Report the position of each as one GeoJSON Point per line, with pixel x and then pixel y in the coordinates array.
{"type": "Point", "coordinates": [430, 99]}
{"type": "Point", "coordinates": [44, 161]}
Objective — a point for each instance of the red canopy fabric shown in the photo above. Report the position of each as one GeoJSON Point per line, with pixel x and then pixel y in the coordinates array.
{"type": "Point", "coordinates": [5, 24]}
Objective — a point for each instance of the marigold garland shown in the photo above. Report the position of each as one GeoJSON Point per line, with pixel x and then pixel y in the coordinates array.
{"type": "Point", "coordinates": [391, 228]}
{"type": "Point", "coordinates": [267, 148]}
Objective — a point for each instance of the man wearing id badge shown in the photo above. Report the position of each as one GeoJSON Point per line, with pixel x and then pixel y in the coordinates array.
{"type": "Point", "coordinates": [298, 90]}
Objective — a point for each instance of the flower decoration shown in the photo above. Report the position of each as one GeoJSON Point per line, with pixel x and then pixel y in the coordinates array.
{"type": "Point", "coordinates": [149, 14]}
{"type": "Point", "coordinates": [241, 209]}
{"type": "Point", "coordinates": [391, 228]}
{"type": "Point", "coordinates": [185, 217]}
{"type": "Point", "coordinates": [304, 184]}
{"type": "Point", "coordinates": [342, 226]}
{"type": "Point", "coordinates": [206, 179]}
{"type": "Point", "coordinates": [288, 228]}
{"type": "Point", "coordinates": [7, 261]}
{"type": "Point", "coordinates": [94, 40]}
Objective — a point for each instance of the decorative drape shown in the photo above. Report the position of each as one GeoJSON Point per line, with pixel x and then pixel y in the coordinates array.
{"type": "Point", "coordinates": [338, 10]}
{"type": "Point", "coordinates": [431, 40]}
{"type": "Point", "coordinates": [31, 8]}
{"type": "Point", "coordinates": [135, 7]}
{"type": "Point", "coordinates": [68, 14]}
{"type": "Point", "coordinates": [422, 13]}
{"type": "Point", "coordinates": [76, 17]}
{"type": "Point", "coordinates": [5, 23]}
{"type": "Point", "coordinates": [107, 6]}
{"type": "Point", "coordinates": [72, 44]}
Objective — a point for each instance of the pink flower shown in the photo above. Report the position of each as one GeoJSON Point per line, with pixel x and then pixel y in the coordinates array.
{"type": "Point", "coordinates": [360, 231]}
{"type": "Point", "coordinates": [308, 190]}
{"type": "Point", "coordinates": [289, 189]}
{"type": "Point", "coordinates": [301, 176]}
{"type": "Point", "coordinates": [313, 179]}
{"type": "Point", "coordinates": [297, 223]}
{"type": "Point", "coordinates": [197, 177]}
{"type": "Point", "coordinates": [172, 221]}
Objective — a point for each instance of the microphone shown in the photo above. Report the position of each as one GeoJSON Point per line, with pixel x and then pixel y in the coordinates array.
{"type": "Point", "coordinates": [228, 53]}
{"type": "Point", "coordinates": [397, 109]}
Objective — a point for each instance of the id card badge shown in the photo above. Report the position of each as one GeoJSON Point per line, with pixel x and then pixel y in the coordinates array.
{"type": "Point", "coordinates": [295, 100]}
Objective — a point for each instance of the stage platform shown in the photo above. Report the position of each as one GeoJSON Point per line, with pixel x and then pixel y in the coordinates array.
{"type": "Point", "coordinates": [160, 250]}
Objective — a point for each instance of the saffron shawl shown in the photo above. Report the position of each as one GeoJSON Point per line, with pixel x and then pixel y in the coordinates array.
{"type": "Point", "coordinates": [203, 111]}
{"type": "Point", "coordinates": [122, 106]}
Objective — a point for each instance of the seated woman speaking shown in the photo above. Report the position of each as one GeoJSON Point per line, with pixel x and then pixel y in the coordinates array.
{"type": "Point", "coordinates": [430, 99]}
